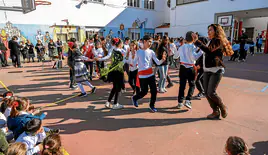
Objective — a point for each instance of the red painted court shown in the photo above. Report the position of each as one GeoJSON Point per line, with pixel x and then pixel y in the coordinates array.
{"type": "Point", "coordinates": [90, 129]}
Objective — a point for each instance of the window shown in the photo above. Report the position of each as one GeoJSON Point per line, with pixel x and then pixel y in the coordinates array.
{"type": "Point", "coordinates": [149, 4]}
{"type": "Point", "coordinates": [74, 35]}
{"type": "Point", "coordinates": [133, 3]}
{"type": "Point", "coordinates": [180, 2]}
{"type": "Point", "coordinates": [63, 37]}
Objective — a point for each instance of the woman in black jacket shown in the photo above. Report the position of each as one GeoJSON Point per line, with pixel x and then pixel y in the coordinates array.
{"type": "Point", "coordinates": [218, 47]}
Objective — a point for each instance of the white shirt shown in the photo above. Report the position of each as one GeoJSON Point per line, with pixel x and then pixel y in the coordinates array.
{"type": "Point", "coordinates": [212, 69]}
{"type": "Point", "coordinates": [132, 62]}
{"type": "Point", "coordinates": [98, 53]}
{"type": "Point", "coordinates": [145, 61]}
{"type": "Point", "coordinates": [7, 112]}
{"type": "Point", "coordinates": [126, 47]}
{"type": "Point", "coordinates": [108, 56]}
{"type": "Point", "coordinates": [188, 55]}
{"type": "Point", "coordinates": [173, 49]}
{"type": "Point", "coordinates": [31, 141]}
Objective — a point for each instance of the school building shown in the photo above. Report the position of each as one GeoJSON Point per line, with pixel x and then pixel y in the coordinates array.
{"type": "Point", "coordinates": [134, 18]}
{"type": "Point", "coordinates": [74, 18]}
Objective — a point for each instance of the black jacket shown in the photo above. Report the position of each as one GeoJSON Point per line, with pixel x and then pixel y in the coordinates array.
{"type": "Point", "coordinates": [14, 47]}
{"type": "Point", "coordinates": [161, 50]}
{"type": "Point", "coordinates": [213, 57]}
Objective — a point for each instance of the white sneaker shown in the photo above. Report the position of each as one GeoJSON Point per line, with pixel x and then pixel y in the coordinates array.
{"type": "Point", "coordinates": [165, 90]}
{"type": "Point", "coordinates": [180, 105]}
{"type": "Point", "coordinates": [161, 91]}
{"type": "Point", "coordinates": [108, 104]}
{"type": "Point", "coordinates": [118, 106]}
{"type": "Point", "coordinates": [188, 104]}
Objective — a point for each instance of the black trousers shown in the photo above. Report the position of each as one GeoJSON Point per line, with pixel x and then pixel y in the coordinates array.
{"type": "Point", "coordinates": [259, 47]}
{"type": "Point", "coordinates": [72, 75]}
{"type": "Point", "coordinates": [16, 60]}
{"type": "Point", "coordinates": [199, 81]}
{"type": "Point", "coordinates": [100, 65]}
{"type": "Point", "coordinates": [243, 54]}
{"type": "Point", "coordinates": [144, 83]}
{"type": "Point", "coordinates": [132, 80]}
{"type": "Point", "coordinates": [252, 50]}
{"type": "Point", "coordinates": [186, 74]}
{"type": "Point", "coordinates": [2, 59]}
{"type": "Point", "coordinates": [234, 56]}
{"type": "Point", "coordinates": [89, 66]}
{"type": "Point", "coordinates": [211, 82]}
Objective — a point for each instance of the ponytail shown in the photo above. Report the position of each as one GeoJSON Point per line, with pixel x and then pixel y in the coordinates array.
{"type": "Point", "coordinates": [17, 106]}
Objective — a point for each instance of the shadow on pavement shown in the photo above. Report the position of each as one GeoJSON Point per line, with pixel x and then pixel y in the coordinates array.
{"type": "Point", "coordinates": [260, 148]}
{"type": "Point", "coordinates": [97, 119]}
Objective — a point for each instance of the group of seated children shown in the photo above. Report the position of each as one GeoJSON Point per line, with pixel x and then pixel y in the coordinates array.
{"type": "Point", "coordinates": [23, 129]}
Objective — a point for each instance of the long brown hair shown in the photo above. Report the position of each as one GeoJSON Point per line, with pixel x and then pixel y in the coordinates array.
{"type": "Point", "coordinates": [224, 43]}
{"type": "Point", "coordinates": [52, 145]}
{"type": "Point", "coordinates": [135, 43]}
{"type": "Point", "coordinates": [17, 149]}
{"type": "Point", "coordinates": [18, 106]}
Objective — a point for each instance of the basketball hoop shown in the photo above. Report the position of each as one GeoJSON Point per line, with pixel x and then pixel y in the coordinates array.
{"type": "Point", "coordinates": [43, 2]}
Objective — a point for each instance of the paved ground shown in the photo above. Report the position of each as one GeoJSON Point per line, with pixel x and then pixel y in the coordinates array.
{"type": "Point", "coordinates": [88, 128]}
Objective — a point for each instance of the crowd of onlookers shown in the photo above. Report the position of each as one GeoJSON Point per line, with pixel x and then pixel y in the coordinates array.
{"type": "Point", "coordinates": [22, 131]}
{"type": "Point", "coordinates": [28, 52]}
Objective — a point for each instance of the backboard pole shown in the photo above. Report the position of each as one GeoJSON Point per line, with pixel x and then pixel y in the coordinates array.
{"type": "Point", "coordinates": [10, 9]}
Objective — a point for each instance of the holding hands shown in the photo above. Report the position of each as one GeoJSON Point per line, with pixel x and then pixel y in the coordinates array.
{"type": "Point", "coordinates": [164, 57]}
{"type": "Point", "coordinates": [195, 37]}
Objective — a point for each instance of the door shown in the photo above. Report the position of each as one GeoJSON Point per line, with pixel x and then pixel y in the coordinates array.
{"type": "Point", "coordinates": [250, 32]}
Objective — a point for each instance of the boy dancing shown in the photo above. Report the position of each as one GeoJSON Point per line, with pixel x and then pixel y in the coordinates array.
{"type": "Point", "coordinates": [188, 54]}
{"type": "Point", "coordinates": [146, 75]}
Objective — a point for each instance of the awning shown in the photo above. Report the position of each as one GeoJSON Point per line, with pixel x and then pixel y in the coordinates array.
{"type": "Point", "coordinates": [165, 25]}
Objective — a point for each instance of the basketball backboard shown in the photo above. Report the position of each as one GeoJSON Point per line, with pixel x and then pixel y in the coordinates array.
{"type": "Point", "coordinates": [24, 6]}
{"type": "Point", "coordinates": [225, 20]}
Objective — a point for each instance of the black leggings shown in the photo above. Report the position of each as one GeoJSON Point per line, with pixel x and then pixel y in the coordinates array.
{"type": "Point", "coordinates": [114, 93]}
{"type": "Point", "coordinates": [117, 78]}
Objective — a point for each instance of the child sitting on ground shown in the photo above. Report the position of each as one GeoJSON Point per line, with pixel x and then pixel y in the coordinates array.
{"type": "Point", "coordinates": [34, 134]}
{"type": "Point", "coordinates": [19, 117]}
{"type": "Point", "coordinates": [52, 145]}
{"type": "Point", "coordinates": [236, 146]}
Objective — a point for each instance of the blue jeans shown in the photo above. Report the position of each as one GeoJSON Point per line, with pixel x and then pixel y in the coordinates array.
{"type": "Point", "coordinates": [163, 70]}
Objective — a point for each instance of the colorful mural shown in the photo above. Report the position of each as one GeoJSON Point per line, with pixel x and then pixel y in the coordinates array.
{"type": "Point", "coordinates": [44, 33]}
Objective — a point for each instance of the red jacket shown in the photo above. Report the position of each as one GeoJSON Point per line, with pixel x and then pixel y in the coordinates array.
{"type": "Point", "coordinates": [88, 52]}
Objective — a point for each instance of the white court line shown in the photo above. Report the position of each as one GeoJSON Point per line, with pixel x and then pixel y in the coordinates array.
{"type": "Point", "coordinates": [263, 90]}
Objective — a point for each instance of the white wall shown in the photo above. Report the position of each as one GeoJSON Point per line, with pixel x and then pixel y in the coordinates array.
{"type": "Point", "coordinates": [88, 15]}
{"type": "Point", "coordinates": [259, 24]}
{"type": "Point", "coordinates": [197, 16]}
{"type": "Point", "coordinates": [167, 12]}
